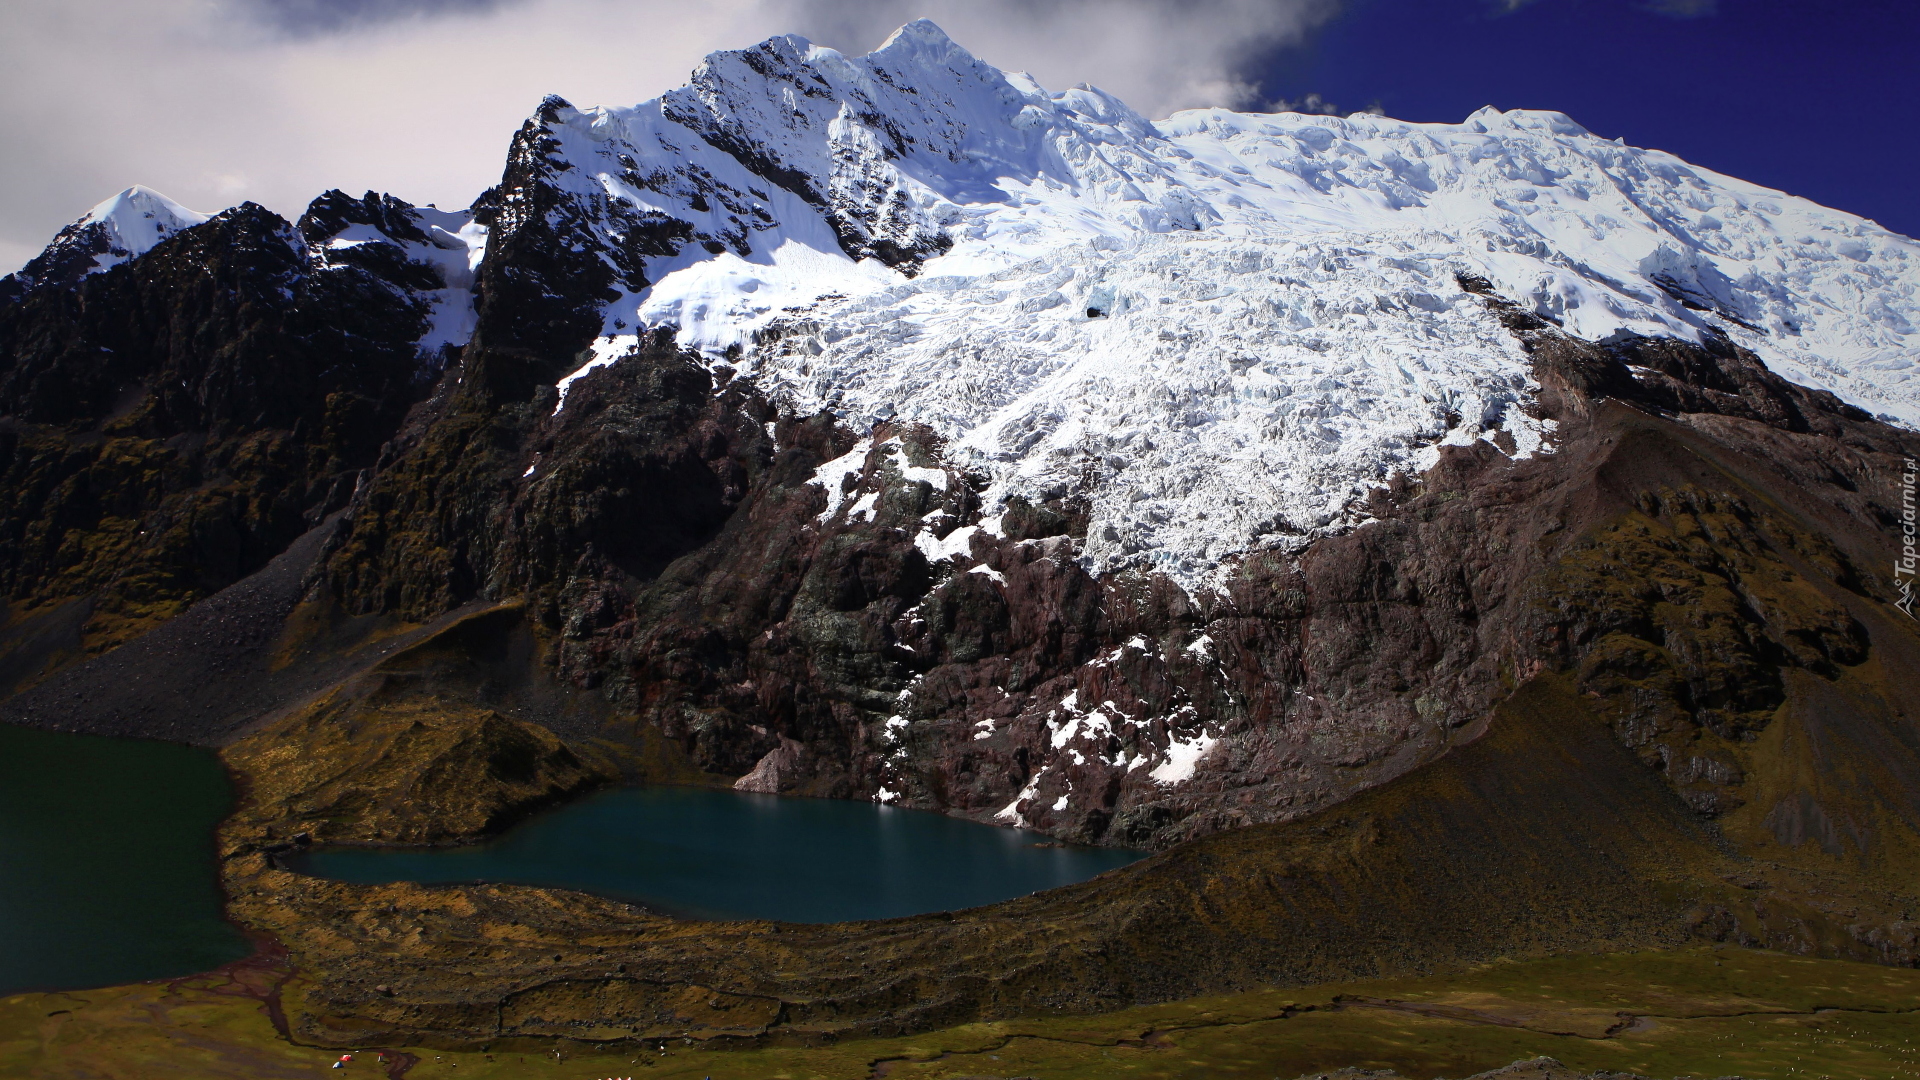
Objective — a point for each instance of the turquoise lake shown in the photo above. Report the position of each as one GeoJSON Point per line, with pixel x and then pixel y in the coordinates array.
{"type": "Point", "coordinates": [708, 854]}
{"type": "Point", "coordinates": [107, 862]}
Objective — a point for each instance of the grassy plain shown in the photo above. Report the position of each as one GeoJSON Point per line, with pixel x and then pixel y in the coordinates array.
{"type": "Point", "coordinates": [1696, 1012]}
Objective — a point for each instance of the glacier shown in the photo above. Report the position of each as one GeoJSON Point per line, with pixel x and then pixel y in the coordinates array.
{"type": "Point", "coordinates": [1219, 328]}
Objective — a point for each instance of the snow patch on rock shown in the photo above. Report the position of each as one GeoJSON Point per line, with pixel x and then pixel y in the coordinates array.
{"type": "Point", "coordinates": [990, 574]}
{"type": "Point", "coordinates": [833, 476]}
{"type": "Point", "coordinates": [1183, 759]}
{"type": "Point", "coordinates": [958, 543]}
{"type": "Point", "coordinates": [1011, 813]}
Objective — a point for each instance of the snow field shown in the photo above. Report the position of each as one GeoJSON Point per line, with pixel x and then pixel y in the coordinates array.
{"type": "Point", "coordinates": [456, 244]}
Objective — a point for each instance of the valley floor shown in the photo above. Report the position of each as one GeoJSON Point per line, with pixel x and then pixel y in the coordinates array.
{"type": "Point", "coordinates": [1694, 1012]}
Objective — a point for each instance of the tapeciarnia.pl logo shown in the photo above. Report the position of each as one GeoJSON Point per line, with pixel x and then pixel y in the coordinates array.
{"type": "Point", "coordinates": [1909, 561]}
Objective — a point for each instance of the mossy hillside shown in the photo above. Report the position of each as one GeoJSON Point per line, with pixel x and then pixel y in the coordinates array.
{"type": "Point", "coordinates": [143, 527]}
{"type": "Point", "coordinates": [1695, 1012]}
{"type": "Point", "coordinates": [394, 768]}
{"type": "Point", "coordinates": [417, 530]}
{"type": "Point", "coordinates": [1833, 784]}
{"type": "Point", "coordinates": [1684, 616]}
{"type": "Point", "coordinates": [1739, 654]}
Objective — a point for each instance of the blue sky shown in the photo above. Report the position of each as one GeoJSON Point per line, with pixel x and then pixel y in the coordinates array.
{"type": "Point", "coordinates": [1819, 99]}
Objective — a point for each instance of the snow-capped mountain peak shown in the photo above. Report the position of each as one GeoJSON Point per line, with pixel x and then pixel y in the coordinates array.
{"type": "Point", "coordinates": [427, 255]}
{"type": "Point", "coordinates": [1220, 328]}
{"type": "Point", "coordinates": [137, 219]}
{"type": "Point", "coordinates": [124, 227]}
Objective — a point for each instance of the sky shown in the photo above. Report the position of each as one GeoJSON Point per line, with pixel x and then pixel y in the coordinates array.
{"type": "Point", "coordinates": [1819, 99]}
{"type": "Point", "coordinates": [216, 101]}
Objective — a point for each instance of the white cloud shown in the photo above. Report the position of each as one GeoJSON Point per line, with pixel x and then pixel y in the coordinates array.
{"type": "Point", "coordinates": [1315, 105]}
{"type": "Point", "coordinates": [277, 100]}
{"type": "Point", "coordinates": [105, 93]}
{"type": "Point", "coordinates": [1156, 55]}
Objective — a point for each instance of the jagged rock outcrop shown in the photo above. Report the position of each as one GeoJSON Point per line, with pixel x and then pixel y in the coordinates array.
{"type": "Point", "coordinates": [173, 422]}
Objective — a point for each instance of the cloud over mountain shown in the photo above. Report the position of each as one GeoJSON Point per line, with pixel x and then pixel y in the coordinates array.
{"type": "Point", "coordinates": [273, 100]}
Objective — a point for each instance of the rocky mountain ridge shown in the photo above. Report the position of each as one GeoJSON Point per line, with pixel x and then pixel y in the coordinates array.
{"type": "Point", "coordinates": [176, 419]}
{"type": "Point", "coordinates": [124, 227]}
{"type": "Point", "coordinates": [1222, 330]}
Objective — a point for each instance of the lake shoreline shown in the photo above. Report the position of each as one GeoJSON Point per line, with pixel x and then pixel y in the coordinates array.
{"type": "Point", "coordinates": [718, 856]}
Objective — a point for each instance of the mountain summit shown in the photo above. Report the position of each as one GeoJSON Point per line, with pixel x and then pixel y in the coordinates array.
{"type": "Point", "coordinates": [124, 227]}
{"type": "Point", "coordinates": [1239, 323]}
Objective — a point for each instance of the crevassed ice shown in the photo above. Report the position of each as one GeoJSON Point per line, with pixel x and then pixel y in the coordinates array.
{"type": "Point", "coordinates": [1238, 392]}
{"type": "Point", "coordinates": [1221, 327]}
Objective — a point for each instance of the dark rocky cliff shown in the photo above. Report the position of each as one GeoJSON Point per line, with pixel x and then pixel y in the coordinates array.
{"type": "Point", "coordinates": [680, 566]}
{"type": "Point", "coordinates": [172, 423]}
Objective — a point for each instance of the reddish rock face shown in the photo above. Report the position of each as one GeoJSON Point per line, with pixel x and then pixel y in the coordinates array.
{"type": "Point", "coordinates": [690, 570]}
